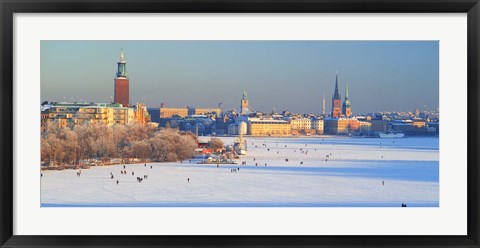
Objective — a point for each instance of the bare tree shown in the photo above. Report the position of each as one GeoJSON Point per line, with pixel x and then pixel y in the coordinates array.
{"type": "Point", "coordinates": [171, 145]}
{"type": "Point", "coordinates": [141, 149]}
{"type": "Point", "coordinates": [216, 144]}
{"type": "Point", "coordinates": [159, 148]}
{"type": "Point", "coordinates": [87, 141]}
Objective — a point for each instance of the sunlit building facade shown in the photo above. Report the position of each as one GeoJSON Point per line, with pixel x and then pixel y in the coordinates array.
{"type": "Point", "coordinates": [336, 125]}
{"type": "Point", "coordinates": [318, 125]}
{"type": "Point", "coordinates": [171, 112]}
{"type": "Point", "coordinates": [71, 114]}
{"type": "Point", "coordinates": [266, 127]}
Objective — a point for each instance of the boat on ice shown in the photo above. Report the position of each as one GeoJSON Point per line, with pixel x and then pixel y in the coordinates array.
{"type": "Point", "coordinates": [391, 135]}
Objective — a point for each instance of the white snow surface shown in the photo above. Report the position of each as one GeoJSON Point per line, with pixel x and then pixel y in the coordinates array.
{"type": "Point", "coordinates": [351, 177]}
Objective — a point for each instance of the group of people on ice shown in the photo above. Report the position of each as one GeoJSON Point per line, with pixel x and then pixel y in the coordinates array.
{"type": "Point", "coordinates": [124, 172]}
{"type": "Point", "coordinates": [140, 179]}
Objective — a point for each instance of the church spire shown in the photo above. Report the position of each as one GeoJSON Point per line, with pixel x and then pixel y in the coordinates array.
{"type": "Point", "coordinates": [336, 95]}
{"type": "Point", "coordinates": [347, 107]}
{"type": "Point", "coordinates": [336, 104]}
{"type": "Point", "coordinates": [346, 92]}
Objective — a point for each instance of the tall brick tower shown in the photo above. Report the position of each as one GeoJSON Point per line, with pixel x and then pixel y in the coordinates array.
{"type": "Point", "coordinates": [122, 92]}
{"type": "Point", "coordinates": [336, 101]}
{"type": "Point", "coordinates": [347, 108]}
{"type": "Point", "coordinates": [244, 104]}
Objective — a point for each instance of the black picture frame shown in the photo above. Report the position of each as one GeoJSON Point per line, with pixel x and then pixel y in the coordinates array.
{"type": "Point", "coordinates": [10, 7]}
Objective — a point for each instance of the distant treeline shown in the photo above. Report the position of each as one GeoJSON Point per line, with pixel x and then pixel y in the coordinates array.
{"type": "Point", "coordinates": [68, 146]}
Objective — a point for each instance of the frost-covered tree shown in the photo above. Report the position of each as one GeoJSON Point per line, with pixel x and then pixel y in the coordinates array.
{"type": "Point", "coordinates": [99, 141]}
{"type": "Point", "coordinates": [216, 144]}
{"type": "Point", "coordinates": [59, 145]}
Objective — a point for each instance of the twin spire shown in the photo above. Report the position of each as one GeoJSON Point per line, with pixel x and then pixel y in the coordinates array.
{"type": "Point", "coordinates": [346, 92]}
{"type": "Point", "coordinates": [345, 109]}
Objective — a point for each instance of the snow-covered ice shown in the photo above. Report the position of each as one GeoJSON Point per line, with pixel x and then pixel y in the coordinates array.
{"type": "Point", "coordinates": [351, 177]}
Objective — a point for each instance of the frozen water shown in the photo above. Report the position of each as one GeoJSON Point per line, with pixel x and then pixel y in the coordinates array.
{"type": "Point", "coordinates": [351, 176]}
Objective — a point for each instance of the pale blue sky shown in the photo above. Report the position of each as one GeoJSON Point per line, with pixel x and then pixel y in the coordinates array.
{"type": "Point", "coordinates": [285, 75]}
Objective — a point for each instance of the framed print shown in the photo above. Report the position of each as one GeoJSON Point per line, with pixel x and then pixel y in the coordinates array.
{"type": "Point", "coordinates": [215, 123]}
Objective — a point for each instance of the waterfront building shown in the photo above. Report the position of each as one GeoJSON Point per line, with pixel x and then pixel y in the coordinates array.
{"type": "Point", "coordinates": [268, 127]}
{"type": "Point", "coordinates": [317, 125]}
{"type": "Point", "coordinates": [61, 114]}
{"type": "Point", "coordinates": [244, 104]}
{"type": "Point", "coordinates": [413, 127]}
{"type": "Point", "coordinates": [123, 115]}
{"type": "Point", "coordinates": [170, 112]}
{"type": "Point", "coordinates": [71, 114]}
{"type": "Point", "coordinates": [203, 111]}
{"type": "Point", "coordinates": [121, 87]}
{"type": "Point", "coordinates": [353, 125]}
{"type": "Point", "coordinates": [300, 123]}
{"type": "Point", "coordinates": [419, 123]}
{"type": "Point", "coordinates": [336, 125]}
{"type": "Point", "coordinates": [346, 108]}
{"type": "Point", "coordinates": [404, 126]}
{"type": "Point", "coordinates": [141, 114]}
{"type": "Point", "coordinates": [365, 127]}
{"type": "Point", "coordinates": [95, 115]}
{"type": "Point", "coordinates": [185, 111]}
{"type": "Point", "coordinates": [379, 123]}
{"type": "Point", "coordinates": [108, 114]}
{"type": "Point", "coordinates": [336, 101]}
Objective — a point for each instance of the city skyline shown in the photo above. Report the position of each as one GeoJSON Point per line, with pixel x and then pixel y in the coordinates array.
{"type": "Point", "coordinates": [281, 75]}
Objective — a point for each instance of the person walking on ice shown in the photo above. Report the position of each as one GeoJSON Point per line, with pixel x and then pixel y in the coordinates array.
{"type": "Point", "coordinates": [188, 180]}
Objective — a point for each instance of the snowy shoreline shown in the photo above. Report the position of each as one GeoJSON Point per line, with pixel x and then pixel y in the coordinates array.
{"type": "Point", "coordinates": [358, 173]}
